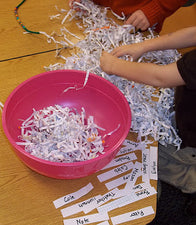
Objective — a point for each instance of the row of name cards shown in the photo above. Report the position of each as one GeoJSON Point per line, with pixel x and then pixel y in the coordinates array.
{"type": "Point", "coordinates": [123, 171]}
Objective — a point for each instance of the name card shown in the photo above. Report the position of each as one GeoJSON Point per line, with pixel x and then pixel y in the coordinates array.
{"type": "Point", "coordinates": [73, 196]}
{"type": "Point", "coordinates": [93, 218]}
{"type": "Point", "coordinates": [133, 215]}
{"type": "Point", "coordinates": [115, 172]}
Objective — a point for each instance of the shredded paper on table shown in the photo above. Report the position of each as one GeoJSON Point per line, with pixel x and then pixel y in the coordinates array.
{"type": "Point", "coordinates": [149, 117]}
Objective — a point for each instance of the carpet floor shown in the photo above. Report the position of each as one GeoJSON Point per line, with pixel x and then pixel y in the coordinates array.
{"type": "Point", "coordinates": [171, 207]}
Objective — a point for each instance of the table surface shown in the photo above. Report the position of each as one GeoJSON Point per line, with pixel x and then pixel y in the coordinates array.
{"type": "Point", "coordinates": [25, 196]}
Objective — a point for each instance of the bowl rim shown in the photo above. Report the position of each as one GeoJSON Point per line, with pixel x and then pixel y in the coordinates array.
{"type": "Point", "coordinates": [61, 164]}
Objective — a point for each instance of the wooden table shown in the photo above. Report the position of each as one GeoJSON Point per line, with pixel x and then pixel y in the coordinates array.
{"type": "Point", "coordinates": [25, 196]}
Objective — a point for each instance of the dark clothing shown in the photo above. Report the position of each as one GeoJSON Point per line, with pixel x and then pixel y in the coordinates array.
{"type": "Point", "coordinates": [185, 100]}
{"type": "Point", "coordinates": [178, 168]}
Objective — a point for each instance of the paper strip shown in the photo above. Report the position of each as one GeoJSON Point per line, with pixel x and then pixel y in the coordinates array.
{"type": "Point", "coordinates": [153, 163]}
{"type": "Point", "coordinates": [130, 146]}
{"type": "Point", "coordinates": [132, 215]}
{"type": "Point", "coordinates": [73, 196]}
{"type": "Point", "coordinates": [141, 186]}
{"type": "Point", "coordinates": [110, 206]}
{"type": "Point", "coordinates": [146, 165]}
{"type": "Point", "coordinates": [135, 173]}
{"type": "Point", "coordinates": [87, 219]}
{"type": "Point", "coordinates": [136, 196]}
{"type": "Point", "coordinates": [132, 197]}
{"type": "Point", "coordinates": [127, 191]}
{"type": "Point", "coordinates": [101, 200]}
{"type": "Point", "coordinates": [117, 182]}
{"type": "Point", "coordinates": [115, 172]}
{"type": "Point", "coordinates": [104, 223]}
{"type": "Point", "coordinates": [120, 160]}
{"type": "Point", "coordinates": [121, 180]}
{"type": "Point", "coordinates": [78, 207]}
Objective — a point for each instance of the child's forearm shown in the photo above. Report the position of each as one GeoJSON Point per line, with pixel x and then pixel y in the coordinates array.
{"type": "Point", "coordinates": [148, 73]}
{"type": "Point", "coordinates": [180, 39]}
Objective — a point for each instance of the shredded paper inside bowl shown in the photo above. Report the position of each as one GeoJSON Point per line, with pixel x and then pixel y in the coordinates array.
{"type": "Point", "coordinates": [60, 134]}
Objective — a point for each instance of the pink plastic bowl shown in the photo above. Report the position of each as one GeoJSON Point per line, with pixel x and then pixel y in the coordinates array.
{"type": "Point", "coordinates": [99, 97]}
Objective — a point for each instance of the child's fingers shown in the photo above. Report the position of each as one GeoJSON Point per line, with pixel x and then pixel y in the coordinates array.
{"type": "Point", "coordinates": [120, 51]}
{"type": "Point", "coordinates": [139, 20]}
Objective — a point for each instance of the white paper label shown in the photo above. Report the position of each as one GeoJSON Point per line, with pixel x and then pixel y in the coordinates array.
{"type": "Point", "coordinates": [101, 200]}
{"type": "Point", "coordinates": [78, 207]}
{"type": "Point", "coordinates": [120, 160]}
{"type": "Point", "coordinates": [126, 217]}
{"type": "Point", "coordinates": [93, 218]}
{"type": "Point", "coordinates": [153, 163]}
{"type": "Point", "coordinates": [135, 173]}
{"type": "Point", "coordinates": [115, 172]}
{"type": "Point", "coordinates": [146, 165]}
{"type": "Point", "coordinates": [73, 196]}
{"type": "Point", "coordinates": [130, 146]}
{"type": "Point", "coordinates": [104, 223]}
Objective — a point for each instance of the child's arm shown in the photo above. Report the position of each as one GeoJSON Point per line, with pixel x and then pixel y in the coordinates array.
{"type": "Point", "coordinates": [149, 73]}
{"type": "Point", "coordinates": [180, 39]}
{"type": "Point", "coordinates": [146, 73]}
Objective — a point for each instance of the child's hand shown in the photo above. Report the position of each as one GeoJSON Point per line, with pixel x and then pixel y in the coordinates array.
{"type": "Point", "coordinates": [134, 50]}
{"type": "Point", "coordinates": [107, 62]}
{"type": "Point", "coordinates": [139, 20]}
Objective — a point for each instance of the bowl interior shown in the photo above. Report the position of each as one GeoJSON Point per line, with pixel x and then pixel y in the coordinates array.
{"type": "Point", "coordinates": [99, 97]}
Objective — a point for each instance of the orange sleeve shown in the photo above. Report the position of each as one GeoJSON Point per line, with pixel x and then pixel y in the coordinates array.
{"type": "Point", "coordinates": [157, 10]}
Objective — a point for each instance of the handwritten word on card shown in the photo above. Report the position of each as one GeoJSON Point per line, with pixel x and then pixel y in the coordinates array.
{"type": "Point", "coordinates": [101, 200]}
{"type": "Point", "coordinates": [120, 160]}
{"type": "Point", "coordinates": [115, 172]}
{"type": "Point", "coordinates": [73, 196]}
{"type": "Point", "coordinates": [93, 218]}
{"type": "Point", "coordinates": [153, 163]}
{"type": "Point", "coordinates": [131, 146]}
{"type": "Point", "coordinates": [126, 217]}
{"type": "Point", "coordinates": [128, 199]}
{"type": "Point", "coordinates": [78, 207]}
{"type": "Point", "coordinates": [135, 173]}
{"type": "Point", "coordinates": [146, 165]}
{"type": "Point", "coordinates": [117, 182]}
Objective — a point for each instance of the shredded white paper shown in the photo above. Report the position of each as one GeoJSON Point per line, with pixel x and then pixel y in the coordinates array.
{"type": "Point", "coordinates": [61, 134]}
{"type": "Point", "coordinates": [1, 106]}
{"type": "Point", "coordinates": [149, 117]}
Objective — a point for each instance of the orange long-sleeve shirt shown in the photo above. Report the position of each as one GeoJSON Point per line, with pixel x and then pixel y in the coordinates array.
{"type": "Point", "coordinates": [155, 10]}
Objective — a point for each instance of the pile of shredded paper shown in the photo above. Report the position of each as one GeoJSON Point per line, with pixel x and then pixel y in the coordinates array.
{"type": "Point", "coordinates": [152, 108]}
{"type": "Point", "coordinates": [61, 134]}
